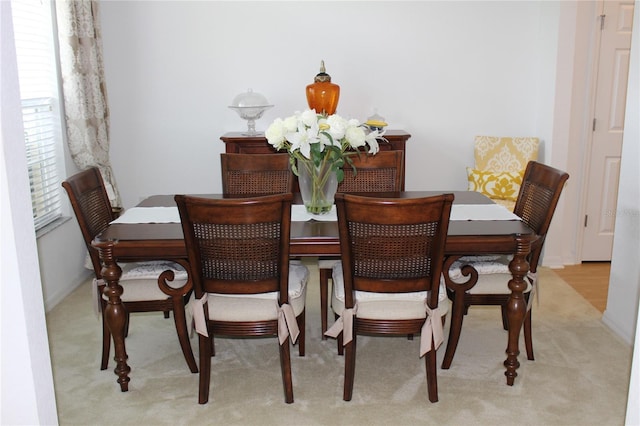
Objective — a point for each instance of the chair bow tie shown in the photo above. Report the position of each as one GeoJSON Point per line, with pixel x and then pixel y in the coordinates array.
{"type": "Point", "coordinates": [431, 331]}
{"type": "Point", "coordinates": [343, 324]}
{"type": "Point", "coordinates": [287, 324]}
{"type": "Point", "coordinates": [197, 308]}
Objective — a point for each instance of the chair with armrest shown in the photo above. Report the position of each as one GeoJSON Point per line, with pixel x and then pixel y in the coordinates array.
{"type": "Point", "coordinates": [536, 203]}
{"type": "Point", "coordinates": [388, 281]}
{"type": "Point", "coordinates": [499, 166]}
{"type": "Point", "coordinates": [249, 175]}
{"type": "Point", "coordinates": [373, 173]}
{"type": "Point", "coordinates": [243, 281]}
{"type": "Point", "coordinates": [147, 285]}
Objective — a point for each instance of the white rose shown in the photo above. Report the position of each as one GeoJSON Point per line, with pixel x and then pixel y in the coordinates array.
{"type": "Point", "coordinates": [290, 124]}
{"type": "Point", "coordinates": [337, 127]}
{"type": "Point", "coordinates": [355, 136]}
{"type": "Point", "coordinates": [275, 133]}
{"type": "Point", "coordinates": [353, 122]}
{"type": "Point", "coordinates": [309, 117]}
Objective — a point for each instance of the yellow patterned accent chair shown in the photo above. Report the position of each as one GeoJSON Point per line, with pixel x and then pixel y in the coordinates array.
{"type": "Point", "coordinates": [499, 166]}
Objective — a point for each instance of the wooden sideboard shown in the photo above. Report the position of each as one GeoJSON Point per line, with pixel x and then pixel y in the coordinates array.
{"type": "Point", "coordinates": [236, 142]}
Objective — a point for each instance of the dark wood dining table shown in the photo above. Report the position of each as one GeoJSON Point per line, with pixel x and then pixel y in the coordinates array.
{"type": "Point", "coordinates": [122, 242]}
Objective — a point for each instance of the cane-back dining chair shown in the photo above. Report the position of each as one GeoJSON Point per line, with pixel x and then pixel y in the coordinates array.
{"type": "Point", "coordinates": [388, 280]}
{"type": "Point", "coordinates": [244, 283]}
{"type": "Point", "coordinates": [250, 175]}
{"type": "Point", "coordinates": [499, 166]}
{"type": "Point", "coordinates": [373, 173]}
{"type": "Point", "coordinates": [536, 203]}
{"type": "Point", "coordinates": [144, 288]}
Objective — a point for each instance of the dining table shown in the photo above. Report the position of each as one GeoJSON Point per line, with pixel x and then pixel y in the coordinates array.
{"type": "Point", "coordinates": [473, 230]}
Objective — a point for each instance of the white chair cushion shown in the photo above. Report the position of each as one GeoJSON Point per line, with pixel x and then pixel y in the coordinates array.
{"type": "Point", "coordinates": [493, 273]}
{"type": "Point", "coordinates": [260, 307]}
{"type": "Point", "coordinates": [327, 263]}
{"type": "Point", "coordinates": [140, 280]}
{"type": "Point", "coordinates": [385, 305]}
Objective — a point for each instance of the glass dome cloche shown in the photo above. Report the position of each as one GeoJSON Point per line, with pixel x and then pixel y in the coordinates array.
{"type": "Point", "coordinates": [250, 106]}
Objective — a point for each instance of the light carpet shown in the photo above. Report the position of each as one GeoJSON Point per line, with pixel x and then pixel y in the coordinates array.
{"type": "Point", "coordinates": [580, 375]}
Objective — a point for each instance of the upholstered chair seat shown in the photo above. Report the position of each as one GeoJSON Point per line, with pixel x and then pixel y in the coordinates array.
{"type": "Point", "coordinates": [493, 273]}
{"type": "Point", "coordinates": [260, 307]}
{"type": "Point", "coordinates": [393, 306]}
{"type": "Point", "coordinates": [141, 280]}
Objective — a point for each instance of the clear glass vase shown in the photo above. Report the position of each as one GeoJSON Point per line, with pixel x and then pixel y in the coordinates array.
{"type": "Point", "coordinates": [318, 186]}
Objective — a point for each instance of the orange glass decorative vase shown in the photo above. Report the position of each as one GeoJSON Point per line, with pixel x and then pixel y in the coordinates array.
{"type": "Point", "coordinates": [323, 95]}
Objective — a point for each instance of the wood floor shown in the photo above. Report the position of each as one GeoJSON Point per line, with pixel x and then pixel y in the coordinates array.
{"type": "Point", "coordinates": [590, 279]}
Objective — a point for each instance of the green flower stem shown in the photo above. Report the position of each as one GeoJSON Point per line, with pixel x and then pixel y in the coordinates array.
{"type": "Point", "coordinates": [319, 177]}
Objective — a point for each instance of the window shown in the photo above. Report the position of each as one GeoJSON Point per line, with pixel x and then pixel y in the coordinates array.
{"type": "Point", "coordinates": [34, 36]}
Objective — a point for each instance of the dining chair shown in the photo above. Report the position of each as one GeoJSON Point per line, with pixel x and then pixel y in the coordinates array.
{"type": "Point", "coordinates": [499, 166]}
{"type": "Point", "coordinates": [536, 204]}
{"type": "Point", "coordinates": [382, 172]}
{"type": "Point", "coordinates": [251, 175]}
{"type": "Point", "coordinates": [243, 281]}
{"type": "Point", "coordinates": [388, 281]}
{"type": "Point", "coordinates": [144, 288]}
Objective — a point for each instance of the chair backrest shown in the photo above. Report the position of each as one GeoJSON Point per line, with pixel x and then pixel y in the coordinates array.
{"type": "Point", "coordinates": [237, 245]}
{"type": "Point", "coordinates": [255, 174]}
{"type": "Point", "coordinates": [91, 205]}
{"type": "Point", "coordinates": [537, 200]}
{"type": "Point", "coordinates": [504, 154]}
{"type": "Point", "coordinates": [391, 245]}
{"type": "Point", "coordinates": [374, 173]}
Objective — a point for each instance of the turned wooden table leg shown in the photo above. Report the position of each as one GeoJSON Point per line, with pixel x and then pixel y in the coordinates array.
{"type": "Point", "coordinates": [115, 314]}
{"type": "Point", "coordinates": [516, 305]}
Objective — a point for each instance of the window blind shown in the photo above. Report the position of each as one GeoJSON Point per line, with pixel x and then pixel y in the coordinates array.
{"type": "Point", "coordinates": [33, 31]}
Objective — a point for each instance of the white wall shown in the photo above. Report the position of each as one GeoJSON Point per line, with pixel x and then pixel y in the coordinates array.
{"type": "Point", "coordinates": [27, 395]}
{"type": "Point", "coordinates": [625, 268]}
{"type": "Point", "coordinates": [624, 283]}
{"type": "Point", "coordinates": [443, 71]}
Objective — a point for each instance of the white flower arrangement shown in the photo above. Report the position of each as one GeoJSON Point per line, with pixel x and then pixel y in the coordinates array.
{"type": "Point", "coordinates": [322, 140]}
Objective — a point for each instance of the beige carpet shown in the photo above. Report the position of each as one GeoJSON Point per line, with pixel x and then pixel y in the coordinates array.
{"type": "Point", "coordinates": [580, 375]}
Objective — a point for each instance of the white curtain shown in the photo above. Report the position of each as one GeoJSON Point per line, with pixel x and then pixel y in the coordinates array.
{"type": "Point", "coordinates": [84, 88]}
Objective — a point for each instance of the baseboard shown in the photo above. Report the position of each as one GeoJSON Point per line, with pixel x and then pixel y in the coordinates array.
{"type": "Point", "coordinates": [623, 332]}
{"type": "Point", "coordinates": [59, 295]}
{"type": "Point", "coordinates": [553, 262]}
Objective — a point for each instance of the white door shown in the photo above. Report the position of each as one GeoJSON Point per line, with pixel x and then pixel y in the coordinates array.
{"type": "Point", "coordinates": [608, 125]}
